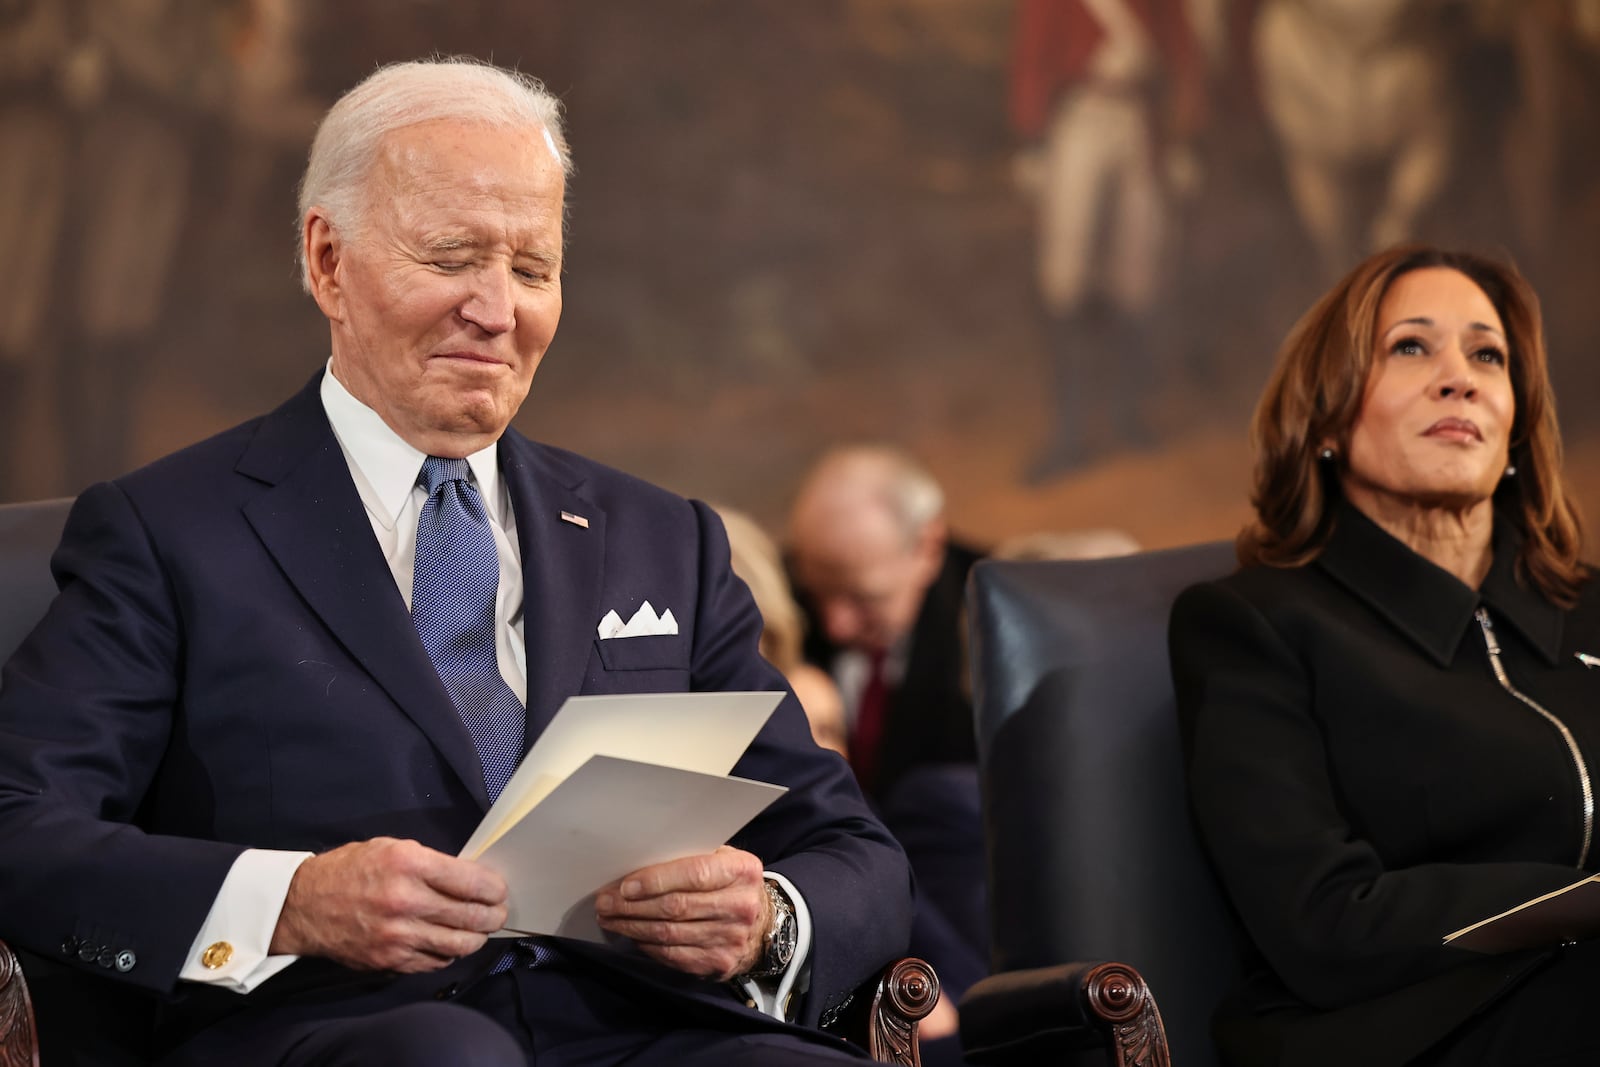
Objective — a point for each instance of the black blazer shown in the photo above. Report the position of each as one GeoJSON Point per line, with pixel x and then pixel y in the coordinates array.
{"type": "Point", "coordinates": [929, 715]}
{"type": "Point", "coordinates": [1365, 786]}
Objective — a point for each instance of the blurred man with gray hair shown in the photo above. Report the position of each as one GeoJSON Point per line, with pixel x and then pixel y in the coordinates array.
{"type": "Point", "coordinates": [876, 567]}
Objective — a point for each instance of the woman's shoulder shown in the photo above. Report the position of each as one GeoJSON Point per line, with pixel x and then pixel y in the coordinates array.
{"type": "Point", "coordinates": [1260, 585]}
{"type": "Point", "coordinates": [1274, 605]}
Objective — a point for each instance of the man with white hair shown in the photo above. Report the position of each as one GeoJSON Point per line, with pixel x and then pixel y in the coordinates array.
{"type": "Point", "coordinates": [875, 566]}
{"type": "Point", "coordinates": [290, 667]}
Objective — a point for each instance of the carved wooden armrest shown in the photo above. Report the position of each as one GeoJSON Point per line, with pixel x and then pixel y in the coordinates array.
{"type": "Point", "coordinates": [1030, 1016]}
{"type": "Point", "coordinates": [883, 1015]}
{"type": "Point", "coordinates": [19, 1037]}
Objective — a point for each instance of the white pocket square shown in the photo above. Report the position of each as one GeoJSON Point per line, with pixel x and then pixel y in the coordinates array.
{"type": "Point", "coordinates": [645, 623]}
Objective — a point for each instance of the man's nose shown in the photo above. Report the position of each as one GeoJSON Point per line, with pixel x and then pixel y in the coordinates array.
{"type": "Point", "coordinates": [491, 303]}
{"type": "Point", "coordinates": [842, 622]}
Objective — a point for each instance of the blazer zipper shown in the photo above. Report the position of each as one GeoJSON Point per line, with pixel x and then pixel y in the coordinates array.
{"type": "Point", "coordinates": [1578, 763]}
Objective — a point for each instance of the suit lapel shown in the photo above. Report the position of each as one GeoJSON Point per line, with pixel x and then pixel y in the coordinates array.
{"type": "Point", "coordinates": [310, 518]}
{"type": "Point", "coordinates": [561, 568]}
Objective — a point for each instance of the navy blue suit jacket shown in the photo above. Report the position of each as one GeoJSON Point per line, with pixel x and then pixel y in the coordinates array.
{"type": "Point", "coordinates": [229, 664]}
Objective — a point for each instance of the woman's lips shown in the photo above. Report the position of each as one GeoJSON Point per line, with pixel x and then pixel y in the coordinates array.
{"type": "Point", "coordinates": [1454, 429]}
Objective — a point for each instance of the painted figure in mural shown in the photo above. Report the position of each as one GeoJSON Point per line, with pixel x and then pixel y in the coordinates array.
{"type": "Point", "coordinates": [103, 102]}
{"type": "Point", "coordinates": [1553, 43]}
{"type": "Point", "coordinates": [1388, 710]}
{"type": "Point", "coordinates": [1109, 91]}
{"type": "Point", "coordinates": [291, 666]}
{"type": "Point", "coordinates": [1358, 93]}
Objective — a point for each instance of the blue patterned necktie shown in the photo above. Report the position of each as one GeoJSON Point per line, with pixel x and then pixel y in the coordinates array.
{"type": "Point", "coordinates": [452, 605]}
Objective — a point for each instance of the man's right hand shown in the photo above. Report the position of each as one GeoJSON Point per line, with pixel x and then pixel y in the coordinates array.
{"type": "Point", "coordinates": [389, 905]}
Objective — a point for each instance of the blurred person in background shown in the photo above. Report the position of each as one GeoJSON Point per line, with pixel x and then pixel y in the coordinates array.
{"type": "Point", "coordinates": [882, 580]}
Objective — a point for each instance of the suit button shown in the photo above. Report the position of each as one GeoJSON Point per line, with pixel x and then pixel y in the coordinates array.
{"type": "Point", "coordinates": [125, 961]}
{"type": "Point", "coordinates": [217, 954]}
{"type": "Point", "coordinates": [446, 992]}
{"type": "Point", "coordinates": [87, 951]}
{"type": "Point", "coordinates": [69, 947]}
{"type": "Point", "coordinates": [106, 958]}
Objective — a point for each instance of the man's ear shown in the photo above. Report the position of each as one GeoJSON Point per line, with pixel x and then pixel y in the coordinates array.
{"type": "Point", "coordinates": [324, 249]}
{"type": "Point", "coordinates": [929, 549]}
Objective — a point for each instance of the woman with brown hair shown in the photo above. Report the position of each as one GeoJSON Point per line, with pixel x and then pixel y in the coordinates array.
{"type": "Point", "coordinates": [1389, 728]}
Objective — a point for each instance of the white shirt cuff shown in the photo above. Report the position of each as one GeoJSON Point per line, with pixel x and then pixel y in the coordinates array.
{"type": "Point", "coordinates": [231, 949]}
{"type": "Point", "coordinates": [774, 996]}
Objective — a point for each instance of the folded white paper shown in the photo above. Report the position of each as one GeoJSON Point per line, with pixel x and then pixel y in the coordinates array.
{"type": "Point", "coordinates": [705, 732]}
{"type": "Point", "coordinates": [613, 784]}
{"type": "Point", "coordinates": [608, 818]}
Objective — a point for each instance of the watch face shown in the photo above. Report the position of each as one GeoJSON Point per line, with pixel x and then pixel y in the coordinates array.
{"type": "Point", "coordinates": [781, 946]}
{"type": "Point", "coordinates": [788, 930]}
{"type": "Point", "coordinates": [781, 939]}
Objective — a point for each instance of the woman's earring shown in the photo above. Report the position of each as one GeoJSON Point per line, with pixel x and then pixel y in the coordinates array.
{"type": "Point", "coordinates": [1511, 470]}
{"type": "Point", "coordinates": [1327, 454]}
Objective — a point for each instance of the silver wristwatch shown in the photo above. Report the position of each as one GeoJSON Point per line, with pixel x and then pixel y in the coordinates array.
{"type": "Point", "coordinates": [781, 938]}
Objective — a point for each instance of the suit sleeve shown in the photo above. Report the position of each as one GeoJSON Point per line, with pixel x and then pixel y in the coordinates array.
{"type": "Point", "coordinates": [87, 716]}
{"type": "Point", "coordinates": [1317, 900]}
{"type": "Point", "coordinates": [821, 834]}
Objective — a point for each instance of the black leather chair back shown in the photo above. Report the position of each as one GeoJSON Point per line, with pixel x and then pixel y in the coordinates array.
{"type": "Point", "coordinates": [28, 535]}
{"type": "Point", "coordinates": [1092, 852]}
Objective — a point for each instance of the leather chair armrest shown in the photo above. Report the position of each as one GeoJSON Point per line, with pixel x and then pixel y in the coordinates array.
{"type": "Point", "coordinates": [883, 1015]}
{"type": "Point", "coordinates": [1028, 1017]}
{"type": "Point", "coordinates": [19, 1036]}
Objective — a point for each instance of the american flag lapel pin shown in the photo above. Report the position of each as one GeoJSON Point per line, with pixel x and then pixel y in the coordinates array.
{"type": "Point", "coordinates": [576, 520]}
{"type": "Point", "coordinates": [1587, 660]}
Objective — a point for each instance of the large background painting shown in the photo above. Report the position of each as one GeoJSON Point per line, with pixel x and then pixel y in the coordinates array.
{"type": "Point", "coordinates": [1047, 245]}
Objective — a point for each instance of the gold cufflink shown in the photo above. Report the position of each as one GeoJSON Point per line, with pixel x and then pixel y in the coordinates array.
{"type": "Point", "coordinates": [217, 954]}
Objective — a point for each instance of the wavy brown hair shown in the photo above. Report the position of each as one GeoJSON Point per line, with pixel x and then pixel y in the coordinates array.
{"type": "Point", "coordinates": [1314, 398]}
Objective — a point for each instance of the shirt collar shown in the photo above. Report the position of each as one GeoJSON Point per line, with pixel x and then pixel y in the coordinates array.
{"type": "Point", "coordinates": [386, 461]}
{"type": "Point", "coordinates": [1428, 604]}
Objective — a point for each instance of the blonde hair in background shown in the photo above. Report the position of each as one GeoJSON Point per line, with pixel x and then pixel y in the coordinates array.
{"type": "Point", "coordinates": [756, 560]}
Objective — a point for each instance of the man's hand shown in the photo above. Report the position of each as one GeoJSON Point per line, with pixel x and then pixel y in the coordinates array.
{"type": "Point", "coordinates": [706, 915]}
{"type": "Point", "coordinates": [389, 905]}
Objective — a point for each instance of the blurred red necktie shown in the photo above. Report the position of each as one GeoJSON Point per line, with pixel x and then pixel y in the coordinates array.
{"type": "Point", "coordinates": [870, 714]}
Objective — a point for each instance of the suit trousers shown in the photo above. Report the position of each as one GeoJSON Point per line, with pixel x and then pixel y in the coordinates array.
{"type": "Point", "coordinates": [549, 1016]}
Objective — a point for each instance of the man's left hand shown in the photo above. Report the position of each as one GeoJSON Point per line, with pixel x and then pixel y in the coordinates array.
{"type": "Point", "coordinates": [705, 915]}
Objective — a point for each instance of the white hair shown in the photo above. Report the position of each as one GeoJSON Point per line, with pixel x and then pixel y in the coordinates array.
{"type": "Point", "coordinates": [405, 94]}
{"type": "Point", "coordinates": [911, 492]}
{"type": "Point", "coordinates": [883, 474]}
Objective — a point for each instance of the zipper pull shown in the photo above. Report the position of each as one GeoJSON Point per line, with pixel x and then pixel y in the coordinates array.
{"type": "Point", "coordinates": [1482, 615]}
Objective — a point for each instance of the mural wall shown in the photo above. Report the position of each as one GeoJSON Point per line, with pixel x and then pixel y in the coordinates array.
{"type": "Point", "coordinates": [1049, 245]}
